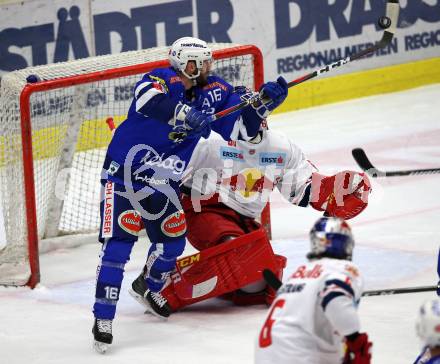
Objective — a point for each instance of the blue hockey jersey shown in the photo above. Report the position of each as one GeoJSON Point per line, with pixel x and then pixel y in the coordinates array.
{"type": "Point", "coordinates": [426, 358]}
{"type": "Point", "coordinates": [146, 139]}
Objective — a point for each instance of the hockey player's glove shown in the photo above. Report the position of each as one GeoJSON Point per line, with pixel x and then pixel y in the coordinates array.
{"type": "Point", "coordinates": [192, 120]}
{"type": "Point", "coordinates": [271, 95]}
{"type": "Point", "coordinates": [274, 93]}
{"type": "Point", "coordinates": [344, 195]}
{"type": "Point", "coordinates": [358, 349]}
{"type": "Point", "coordinates": [257, 110]}
{"type": "Point", "coordinates": [438, 288]}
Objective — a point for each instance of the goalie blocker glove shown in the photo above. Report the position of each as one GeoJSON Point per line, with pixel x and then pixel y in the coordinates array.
{"type": "Point", "coordinates": [343, 195]}
{"type": "Point", "coordinates": [358, 349]}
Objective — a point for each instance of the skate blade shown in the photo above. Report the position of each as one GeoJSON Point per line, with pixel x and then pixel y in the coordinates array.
{"type": "Point", "coordinates": [138, 298]}
{"type": "Point", "coordinates": [149, 311]}
{"type": "Point", "coordinates": [100, 347]}
{"type": "Point", "coordinates": [143, 302]}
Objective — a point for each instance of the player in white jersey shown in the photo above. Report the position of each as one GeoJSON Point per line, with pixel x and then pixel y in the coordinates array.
{"type": "Point", "coordinates": [316, 309]}
{"type": "Point", "coordinates": [428, 330]}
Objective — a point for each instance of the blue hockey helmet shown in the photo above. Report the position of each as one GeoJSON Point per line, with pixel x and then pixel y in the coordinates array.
{"type": "Point", "coordinates": [331, 237]}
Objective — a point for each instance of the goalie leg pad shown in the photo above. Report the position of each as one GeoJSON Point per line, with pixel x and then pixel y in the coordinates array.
{"type": "Point", "coordinates": [220, 269]}
{"type": "Point", "coordinates": [214, 223]}
{"type": "Point", "coordinates": [264, 296]}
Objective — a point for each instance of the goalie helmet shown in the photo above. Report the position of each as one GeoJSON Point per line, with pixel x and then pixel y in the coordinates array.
{"type": "Point", "coordinates": [188, 49]}
{"type": "Point", "coordinates": [331, 237]}
{"type": "Point", "coordinates": [428, 323]}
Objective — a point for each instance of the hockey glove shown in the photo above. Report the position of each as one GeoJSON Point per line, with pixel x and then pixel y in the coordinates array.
{"type": "Point", "coordinates": [344, 195]}
{"type": "Point", "coordinates": [271, 95]}
{"type": "Point", "coordinates": [274, 93]}
{"type": "Point", "coordinates": [358, 349]}
{"type": "Point", "coordinates": [193, 120]}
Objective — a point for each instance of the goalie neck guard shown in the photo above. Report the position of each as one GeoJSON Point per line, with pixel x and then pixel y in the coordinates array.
{"type": "Point", "coordinates": [188, 49]}
{"type": "Point", "coordinates": [331, 237]}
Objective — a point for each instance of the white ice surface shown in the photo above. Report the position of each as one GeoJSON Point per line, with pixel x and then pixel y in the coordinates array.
{"type": "Point", "coordinates": [397, 239]}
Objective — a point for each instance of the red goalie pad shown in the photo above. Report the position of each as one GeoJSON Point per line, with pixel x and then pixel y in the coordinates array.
{"type": "Point", "coordinates": [215, 223]}
{"type": "Point", "coordinates": [221, 269]}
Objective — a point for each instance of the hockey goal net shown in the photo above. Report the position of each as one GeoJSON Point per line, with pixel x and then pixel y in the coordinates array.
{"type": "Point", "coordinates": [54, 137]}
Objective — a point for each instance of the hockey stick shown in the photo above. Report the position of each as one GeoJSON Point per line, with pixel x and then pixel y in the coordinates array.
{"type": "Point", "coordinates": [362, 160]}
{"type": "Point", "coordinates": [387, 22]}
{"type": "Point", "coordinates": [384, 292]}
{"type": "Point", "coordinates": [273, 281]}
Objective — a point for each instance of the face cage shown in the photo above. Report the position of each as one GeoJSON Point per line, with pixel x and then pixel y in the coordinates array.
{"type": "Point", "coordinates": [318, 245]}
{"type": "Point", "coordinates": [202, 66]}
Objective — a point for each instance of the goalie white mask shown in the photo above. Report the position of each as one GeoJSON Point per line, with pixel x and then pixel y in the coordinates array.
{"type": "Point", "coordinates": [188, 49]}
{"type": "Point", "coordinates": [428, 323]}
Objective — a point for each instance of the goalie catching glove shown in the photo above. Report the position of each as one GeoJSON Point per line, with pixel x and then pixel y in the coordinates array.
{"type": "Point", "coordinates": [344, 195]}
{"type": "Point", "coordinates": [358, 349]}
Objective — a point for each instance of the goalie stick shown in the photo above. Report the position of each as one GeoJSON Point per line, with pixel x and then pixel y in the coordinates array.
{"type": "Point", "coordinates": [362, 160]}
{"type": "Point", "coordinates": [387, 22]}
{"type": "Point", "coordinates": [273, 281]}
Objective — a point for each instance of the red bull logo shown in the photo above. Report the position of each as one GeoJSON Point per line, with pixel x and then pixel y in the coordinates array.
{"type": "Point", "coordinates": [250, 181]}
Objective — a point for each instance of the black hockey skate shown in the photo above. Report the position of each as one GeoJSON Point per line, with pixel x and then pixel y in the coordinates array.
{"type": "Point", "coordinates": [102, 333]}
{"type": "Point", "coordinates": [154, 302]}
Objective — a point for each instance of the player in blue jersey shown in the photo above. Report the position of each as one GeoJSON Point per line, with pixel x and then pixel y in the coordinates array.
{"type": "Point", "coordinates": [145, 161]}
{"type": "Point", "coordinates": [427, 327]}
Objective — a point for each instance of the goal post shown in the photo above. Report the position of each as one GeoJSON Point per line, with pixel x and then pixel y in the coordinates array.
{"type": "Point", "coordinates": [53, 139]}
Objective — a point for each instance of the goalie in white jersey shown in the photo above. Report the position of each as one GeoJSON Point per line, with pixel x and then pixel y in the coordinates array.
{"type": "Point", "coordinates": [242, 174]}
{"type": "Point", "coordinates": [316, 309]}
